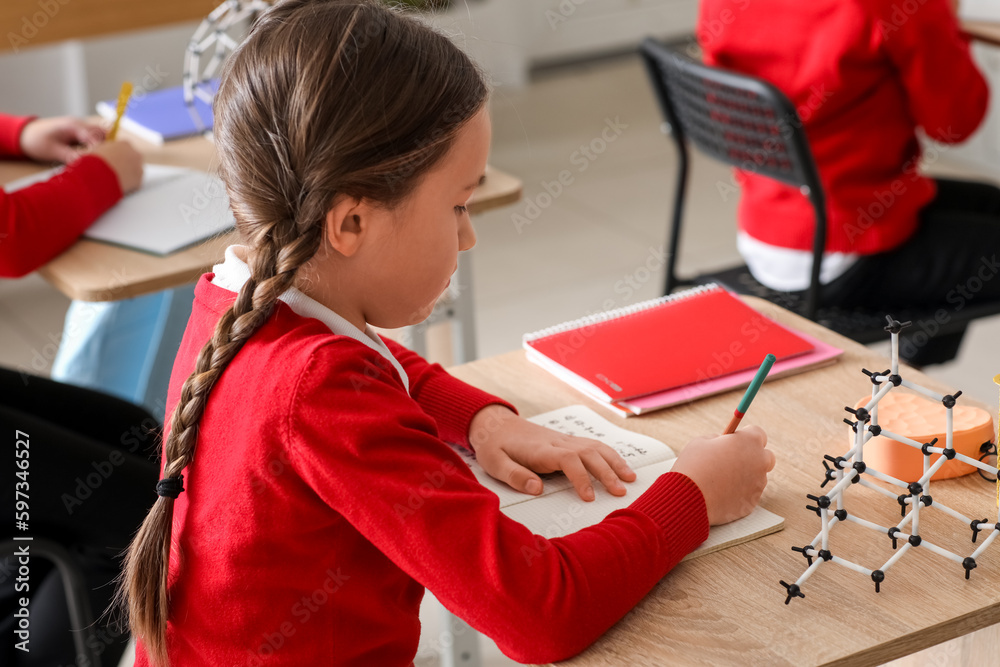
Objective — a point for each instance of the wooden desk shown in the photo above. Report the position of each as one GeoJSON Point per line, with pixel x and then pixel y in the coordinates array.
{"type": "Point", "coordinates": [728, 608]}
{"type": "Point", "coordinates": [93, 271]}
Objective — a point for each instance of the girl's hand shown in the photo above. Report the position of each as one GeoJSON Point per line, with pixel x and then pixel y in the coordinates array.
{"type": "Point", "coordinates": [731, 471]}
{"type": "Point", "coordinates": [124, 160]}
{"type": "Point", "coordinates": [512, 450]}
{"type": "Point", "coordinates": [59, 139]}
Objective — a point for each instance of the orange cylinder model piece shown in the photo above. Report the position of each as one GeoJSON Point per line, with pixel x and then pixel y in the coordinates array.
{"type": "Point", "coordinates": [922, 419]}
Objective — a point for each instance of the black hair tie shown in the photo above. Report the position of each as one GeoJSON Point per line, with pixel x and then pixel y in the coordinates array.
{"type": "Point", "coordinates": [170, 487]}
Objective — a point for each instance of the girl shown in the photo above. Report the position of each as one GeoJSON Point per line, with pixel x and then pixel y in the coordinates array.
{"type": "Point", "coordinates": [321, 496]}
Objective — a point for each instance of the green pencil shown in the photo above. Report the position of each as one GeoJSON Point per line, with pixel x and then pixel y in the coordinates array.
{"type": "Point", "coordinates": [744, 405]}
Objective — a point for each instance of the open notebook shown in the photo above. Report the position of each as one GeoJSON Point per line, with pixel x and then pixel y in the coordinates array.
{"type": "Point", "coordinates": [560, 511]}
{"type": "Point", "coordinates": [175, 208]}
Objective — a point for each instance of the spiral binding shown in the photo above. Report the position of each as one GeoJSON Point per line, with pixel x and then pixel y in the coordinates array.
{"type": "Point", "coordinates": [618, 312]}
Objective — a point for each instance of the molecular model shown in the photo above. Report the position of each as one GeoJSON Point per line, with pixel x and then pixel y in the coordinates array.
{"type": "Point", "coordinates": [213, 33]}
{"type": "Point", "coordinates": [851, 469]}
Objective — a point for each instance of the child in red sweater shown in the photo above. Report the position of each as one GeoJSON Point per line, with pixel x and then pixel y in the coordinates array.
{"type": "Point", "coordinates": [321, 496]}
{"type": "Point", "coordinates": [122, 347]}
{"type": "Point", "coordinates": [40, 221]}
{"type": "Point", "coordinates": [865, 76]}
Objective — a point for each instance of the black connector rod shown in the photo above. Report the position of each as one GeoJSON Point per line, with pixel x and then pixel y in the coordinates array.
{"type": "Point", "coordinates": [793, 591]}
{"type": "Point", "coordinates": [878, 576]}
{"type": "Point", "coordinates": [895, 326]}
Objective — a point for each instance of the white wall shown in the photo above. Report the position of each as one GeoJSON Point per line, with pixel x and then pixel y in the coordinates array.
{"type": "Point", "coordinates": [506, 36]}
{"type": "Point", "coordinates": [575, 27]}
{"type": "Point", "coordinates": [509, 36]}
{"type": "Point", "coordinates": [71, 77]}
{"type": "Point", "coordinates": [982, 150]}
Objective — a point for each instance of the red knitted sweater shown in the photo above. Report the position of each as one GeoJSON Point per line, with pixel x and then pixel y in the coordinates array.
{"type": "Point", "coordinates": [322, 500]}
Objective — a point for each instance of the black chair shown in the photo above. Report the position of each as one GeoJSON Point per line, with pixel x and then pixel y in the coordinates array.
{"type": "Point", "coordinates": [748, 123]}
{"type": "Point", "coordinates": [81, 617]}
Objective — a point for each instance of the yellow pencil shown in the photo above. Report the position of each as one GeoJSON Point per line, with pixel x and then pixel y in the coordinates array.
{"type": "Point", "coordinates": [123, 97]}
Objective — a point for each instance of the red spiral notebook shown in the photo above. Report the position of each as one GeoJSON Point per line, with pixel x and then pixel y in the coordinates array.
{"type": "Point", "coordinates": [671, 350]}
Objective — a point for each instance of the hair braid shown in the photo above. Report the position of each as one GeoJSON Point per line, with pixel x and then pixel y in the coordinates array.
{"type": "Point", "coordinates": [147, 598]}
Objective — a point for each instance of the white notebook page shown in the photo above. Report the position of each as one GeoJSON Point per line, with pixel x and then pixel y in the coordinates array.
{"type": "Point", "coordinates": [560, 511]}
{"type": "Point", "coordinates": [637, 450]}
{"type": "Point", "coordinates": [175, 208]}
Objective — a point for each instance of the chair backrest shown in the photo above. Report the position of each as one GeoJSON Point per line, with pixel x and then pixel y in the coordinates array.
{"type": "Point", "coordinates": [81, 618]}
{"type": "Point", "coordinates": [741, 120]}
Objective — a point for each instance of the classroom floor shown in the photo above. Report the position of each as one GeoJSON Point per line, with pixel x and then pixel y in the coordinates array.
{"type": "Point", "coordinates": [567, 249]}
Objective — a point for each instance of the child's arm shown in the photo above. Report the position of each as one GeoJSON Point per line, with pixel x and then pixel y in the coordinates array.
{"type": "Point", "coordinates": [59, 139]}
{"type": "Point", "coordinates": [10, 135]}
{"type": "Point", "coordinates": [947, 93]}
{"type": "Point", "coordinates": [512, 449]}
{"type": "Point", "coordinates": [382, 467]}
{"type": "Point", "coordinates": [509, 448]}
{"type": "Point", "coordinates": [41, 221]}
{"type": "Point", "coordinates": [451, 402]}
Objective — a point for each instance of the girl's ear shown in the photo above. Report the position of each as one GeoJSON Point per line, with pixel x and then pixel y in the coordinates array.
{"type": "Point", "coordinates": [346, 225]}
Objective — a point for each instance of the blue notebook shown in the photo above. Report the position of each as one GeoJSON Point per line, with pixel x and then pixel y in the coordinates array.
{"type": "Point", "coordinates": [162, 115]}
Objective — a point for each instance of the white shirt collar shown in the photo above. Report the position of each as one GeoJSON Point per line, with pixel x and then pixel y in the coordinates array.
{"type": "Point", "coordinates": [234, 272]}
